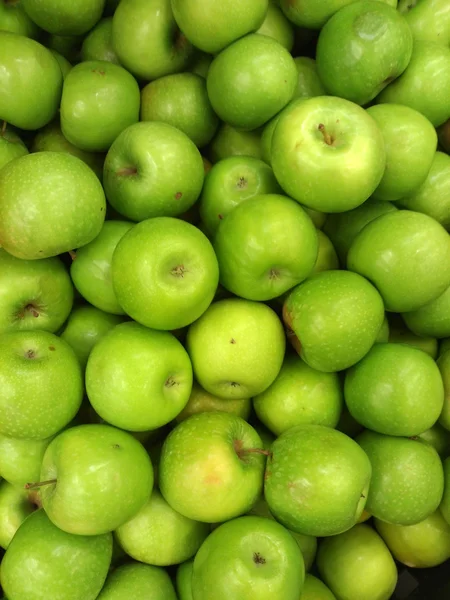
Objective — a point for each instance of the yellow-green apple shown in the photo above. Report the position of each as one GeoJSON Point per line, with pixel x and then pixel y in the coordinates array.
{"type": "Point", "coordinates": [97, 45]}
{"type": "Point", "coordinates": [11, 146]}
{"type": "Point", "coordinates": [15, 505]}
{"type": "Point", "coordinates": [141, 582]}
{"type": "Point", "coordinates": [13, 18]}
{"type": "Point", "coordinates": [327, 258]}
{"type": "Point", "coordinates": [171, 288]}
{"type": "Point", "coordinates": [438, 437]}
{"type": "Point", "coordinates": [429, 20]}
{"type": "Point", "coordinates": [21, 459]}
{"type": "Point", "coordinates": [308, 83]}
{"type": "Point", "coordinates": [202, 401]}
{"type": "Point", "coordinates": [328, 153]}
{"type": "Point", "coordinates": [152, 169]}
{"type": "Point", "coordinates": [315, 589]}
{"type": "Point", "coordinates": [407, 478]}
{"type": "Point", "coordinates": [406, 255]}
{"type": "Point", "coordinates": [138, 378]}
{"type": "Point", "coordinates": [333, 319]}
{"type": "Point", "coordinates": [277, 26]}
{"type": "Point", "coordinates": [400, 334]}
{"type": "Point", "coordinates": [65, 18]}
{"type": "Point", "coordinates": [183, 580]}
{"type": "Point", "coordinates": [63, 63]}
{"type": "Point", "coordinates": [443, 362]}
{"type": "Point", "coordinates": [432, 319]}
{"type": "Point", "coordinates": [230, 141]}
{"type": "Point", "coordinates": [250, 557]}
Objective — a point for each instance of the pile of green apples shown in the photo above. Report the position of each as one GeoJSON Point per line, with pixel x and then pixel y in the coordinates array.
{"type": "Point", "coordinates": [224, 298]}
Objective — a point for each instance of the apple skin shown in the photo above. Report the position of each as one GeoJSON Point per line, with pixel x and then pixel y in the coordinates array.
{"type": "Point", "coordinates": [229, 141]}
{"type": "Point", "coordinates": [205, 471]}
{"type": "Point", "coordinates": [357, 564]}
{"type": "Point", "coordinates": [438, 437]}
{"type": "Point", "coordinates": [181, 100]}
{"type": "Point", "coordinates": [50, 138]}
{"type": "Point", "coordinates": [406, 255]}
{"type": "Point", "coordinates": [410, 141]}
{"type": "Point", "coordinates": [432, 197]}
{"type": "Point", "coordinates": [407, 478]}
{"type": "Point", "coordinates": [202, 401]}
{"type": "Point", "coordinates": [400, 334]}
{"type": "Point", "coordinates": [308, 84]}
{"type": "Point", "coordinates": [11, 146]}
{"type": "Point", "coordinates": [141, 29]}
{"type": "Point", "coordinates": [44, 562]}
{"type": "Point", "coordinates": [443, 363]}
{"type": "Point", "coordinates": [250, 557]}
{"type": "Point", "coordinates": [97, 45]}
{"type": "Point", "coordinates": [231, 181]}
{"type": "Point", "coordinates": [432, 319]}
{"type": "Point", "coordinates": [269, 128]}
{"type": "Point", "coordinates": [315, 589]}
{"type": "Point", "coordinates": [333, 319]}
{"type": "Point", "coordinates": [35, 294]}
{"type": "Point", "coordinates": [64, 210]}
{"type": "Point", "coordinates": [141, 582]}
{"type": "Point", "coordinates": [445, 503]}
{"type": "Point", "coordinates": [63, 63]}
{"type": "Point", "coordinates": [254, 271]}
{"type": "Point", "coordinates": [41, 382]}
{"type": "Point", "coordinates": [20, 459]}
{"type": "Point", "coordinates": [138, 378]}
{"type": "Point", "coordinates": [13, 18]}
{"type": "Point", "coordinates": [300, 395]}
{"type": "Point", "coordinates": [236, 348]}
{"type": "Point", "coordinates": [429, 20]}
{"type": "Point", "coordinates": [172, 288]}
{"type": "Point", "coordinates": [159, 535]}
{"type": "Point", "coordinates": [396, 390]}
{"type": "Point", "coordinates": [91, 269]}
{"type": "Point", "coordinates": [211, 27]}
{"type": "Point", "coordinates": [425, 84]}
{"type": "Point", "coordinates": [85, 327]}
{"type": "Point", "coordinates": [99, 101]}
{"type": "Point", "coordinates": [277, 26]}
{"type": "Point", "coordinates": [184, 580]}
{"type": "Point", "coordinates": [29, 70]}
{"type": "Point", "coordinates": [245, 92]}
{"type": "Point", "coordinates": [327, 258]}
{"type": "Point", "coordinates": [420, 546]}
{"type": "Point", "coordinates": [328, 177]}
{"type": "Point", "coordinates": [15, 506]}
{"type": "Point", "coordinates": [63, 18]}
{"type": "Point", "coordinates": [363, 47]}
{"type": "Point", "coordinates": [152, 169]}
{"type": "Point", "coordinates": [95, 467]}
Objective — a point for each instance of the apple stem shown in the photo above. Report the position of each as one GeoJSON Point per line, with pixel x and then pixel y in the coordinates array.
{"type": "Point", "coordinates": [326, 136]}
{"type": "Point", "coordinates": [38, 484]}
{"type": "Point", "coordinates": [255, 451]}
{"type": "Point", "coordinates": [72, 254]}
{"type": "Point", "coordinates": [4, 124]}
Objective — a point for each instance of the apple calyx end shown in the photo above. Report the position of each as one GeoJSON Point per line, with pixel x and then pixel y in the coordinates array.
{"type": "Point", "coordinates": [126, 171]}
{"type": "Point", "coordinates": [258, 559]}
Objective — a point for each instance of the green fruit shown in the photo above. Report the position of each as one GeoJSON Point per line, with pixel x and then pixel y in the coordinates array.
{"type": "Point", "coordinates": [142, 582]}
{"type": "Point", "coordinates": [202, 401]}
{"type": "Point", "coordinates": [97, 45]}
{"type": "Point", "coordinates": [65, 18]}
{"type": "Point", "coordinates": [429, 20]}
{"type": "Point", "coordinates": [277, 26]}
{"type": "Point", "coordinates": [308, 83]}
{"type": "Point", "coordinates": [11, 146]}
{"type": "Point", "coordinates": [443, 363]}
{"type": "Point", "coordinates": [445, 503]}
{"type": "Point", "coordinates": [439, 438]}
{"type": "Point", "coordinates": [184, 580]}
{"type": "Point", "coordinates": [15, 506]}
{"type": "Point", "coordinates": [21, 459]}
{"type": "Point", "coordinates": [432, 319]}
{"type": "Point", "coordinates": [229, 141]}
{"type": "Point", "coordinates": [314, 589]}
{"type": "Point", "coordinates": [327, 258]}
{"type": "Point", "coordinates": [13, 18]}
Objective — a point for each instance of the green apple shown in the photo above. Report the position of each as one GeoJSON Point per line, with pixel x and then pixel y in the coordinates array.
{"type": "Point", "coordinates": [410, 142]}
{"type": "Point", "coordinates": [201, 63]}
{"type": "Point", "coordinates": [251, 81]}
{"type": "Point", "coordinates": [159, 535]}
{"type": "Point", "coordinates": [97, 45]}
{"type": "Point", "coordinates": [91, 269]}
{"type": "Point", "coordinates": [67, 45]}
{"type": "Point", "coordinates": [64, 209]}
{"type": "Point", "coordinates": [236, 348]}
{"type": "Point", "coordinates": [407, 478]}
{"type": "Point", "coordinates": [269, 128]}
{"type": "Point", "coordinates": [429, 20]}
{"type": "Point", "coordinates": [445, 504]}
{"type": "Point", "coordinates": [50, 138]}
{"type": "Point", "coordinates": [425, 85]}
{"type": "Point", "coordinates": [396, 390]}
{"type": "Point", "coordinates": [385, 333]}
{"type": "Point", "coordinates": [432, 197]}
{"type": "Point", "coordinates": [432, 319]}
{"type": "Point", "coordinates": [357, 564]}
{"type": "Point", "coordinates": [13, 18]}
{"type": "Point", "coordinates": [333, 319]}
{"type": "Point", "coordinates": [152, 169]}
{"type": "Point", "coordinates": [85, 327]}
{"type": "Point", "coordinates": [277, 26]}
{"type": "Point", "coordinates": [439, 438]}
{"type": "Point", "coordinates": [231, 181]}
{"type": "Point", "coordinates": [29, 71]}
{"type": "Point", "coordinates": [362, 48]}
{"type": "Point", "coordinates": [63, 63]}
{"type": "Point", "coordinates": [138, 378]}
{"type": "Point", "coordinates": [342, 228]}
{"type": "Point", "coordinates": [315, 589]}
{"type": "Point", "coordinates": [300, 395]}
{"type": "Point", "coordinates": [34, 294]}
{"type": "Point", "coordinates": [250, 557]}
{"type": "Point", "coordinates": [406, 255]}
{"type": "Point", "coordinates": [171, 288]}
{"type": "Point", "coordinates": [184, 580]}
{"type": "Point", "coordinates": [44, 562]}
{"type": "Point", "coordinates": [20, 459]}
{"type": "Point", "coordinates": [348, 425]}
{"type": "Point", "coordinates": [41, 384]}
{"type": "Point", "coordinates": [308, 84]}
{"type": "Point", "coordinates": [211, 467]}
{"type": "Point", "coordinates": [143, 29]}
{"type": "Point", "coordinates": [328, 153]}
{"type": "Point", "coordinates": [11, 146]}
{"type": "Point", "coordinates": [316, 480]}
{"type": "Point", "coordinates": [423, 545]}
{"type": "Point", "coordinates": [65, 18]}
{"type": "Point", "coordinates": [99, 101]}
{"type": "Point", "coordinates": [141, 582]}
{"type": "Point", "coordinates": [256, 271]}
{"type": "Point", "coordinates": [400, 334]}
{"type": "Point", "coordinates": [211, 26]}
{"type": "Point", "coordinates": [181, 100]}
{"type": "Point", "coordinates": [229, 141]}
{"type": "Point", "coordinates": [443, 363]}
{"type": "Point", "coordinates": [202, 401]}
{"type": "Point", "coordinates": [15, 505]}
{"type": "Point", "coordinates": [327, 258]}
